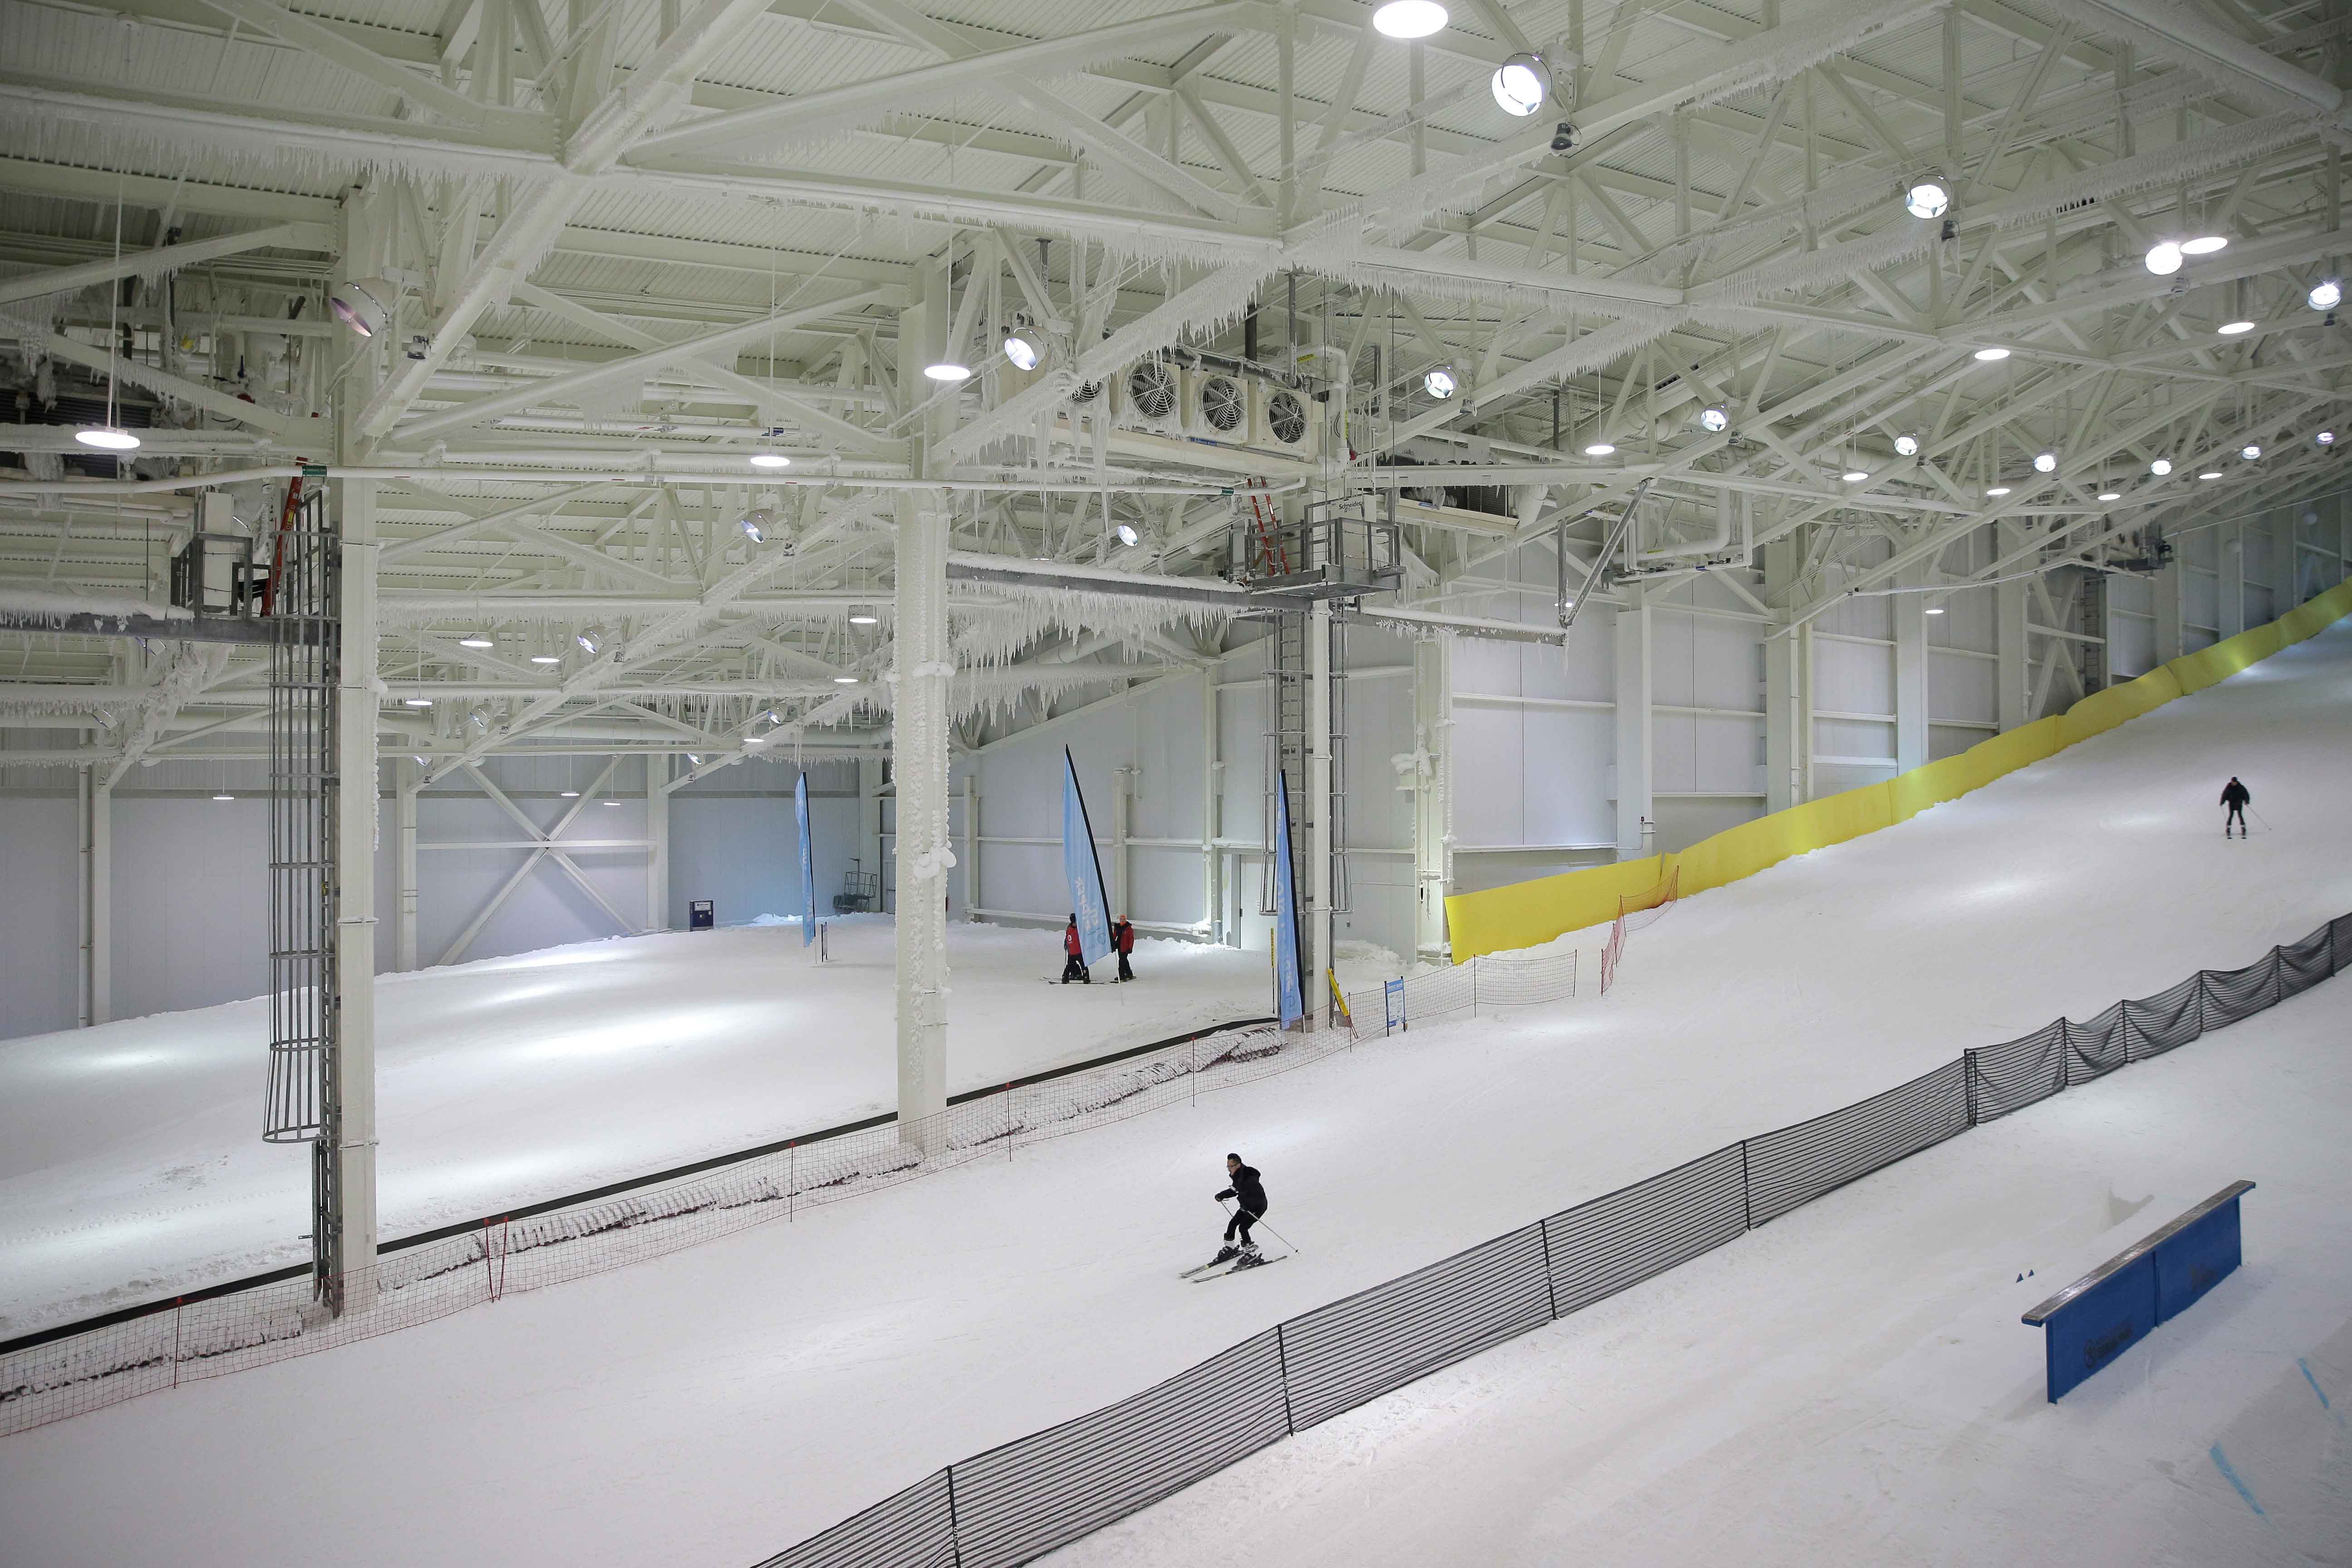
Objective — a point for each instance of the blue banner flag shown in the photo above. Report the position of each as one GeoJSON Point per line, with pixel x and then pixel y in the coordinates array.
{"type": "Point", "coordinates": [1290, 999]}
{"type": "Point", "coordinates": [808, 864]}
{"type": "Point", "coordinates": [1082, 870]}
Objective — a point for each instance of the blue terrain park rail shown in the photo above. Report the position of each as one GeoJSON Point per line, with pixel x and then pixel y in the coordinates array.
{"type": "Point", "coordinates": [2105, 1312]}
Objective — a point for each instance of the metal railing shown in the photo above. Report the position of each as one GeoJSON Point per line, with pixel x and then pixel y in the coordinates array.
{"type": "Point", "coordinates": [1032, 1496]}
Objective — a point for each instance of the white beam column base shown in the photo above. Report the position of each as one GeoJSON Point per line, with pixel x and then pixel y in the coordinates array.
{"type": "Point", "coordinates": [918, 748]}
{"type": "Point", "coordinates": [352, 1127]}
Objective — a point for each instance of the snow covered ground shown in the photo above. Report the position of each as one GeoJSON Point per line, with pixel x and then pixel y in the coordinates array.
{"type": "Point", "coordinates": [1851, 1384]}
{"type": "Point", "coordinates": [130, 1159]}
{"type": "Point", "coordinates": [727, 1401]}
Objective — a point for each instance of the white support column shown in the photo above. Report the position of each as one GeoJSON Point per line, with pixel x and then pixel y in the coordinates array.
{"type": "Point", "coordinates": [1319, 801]}
{"type": "Point", "coordinates": [1432, 805]}
{"type": "Point", "coordinates": [101, 901]}
{"type": "Point", "coordinates": [1636, 828]}
{"type": "Point", "coordinates": [658, 769]}
{"type": "Point", "coordinates": [84, 788]}
{"type": "Point", "coordinates": [405, 773]}
{"type": "Point", "coordinates": [971, 847]}
{"type": "Point", "coordinates": [2164, 591]}
{"type": "Point", "coordinates": [2229, 595]}
{"type": "Point", "coordinates": [1782, 726]}
{"type": "Point", "coordinates": [2008, 642]}
{"type": "Point", "coordinates": [919, 746]}
{"type": "Point", "coordinates": [352, 1131]}
{"type": "Point", "coordinates": [1910, 674]}
{"type": "Point", "coordinates": [1213, 899]}
{"type": "Point", "coordinates": [869, 822]}
{"type": "Point", "coordinates": [1122, 810]}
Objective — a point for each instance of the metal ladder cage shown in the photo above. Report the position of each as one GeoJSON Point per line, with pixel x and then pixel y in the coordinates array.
{"type": "Point", "coordinates": [304, 665]}
{"type": "Point", "coordinates": [1287, 704]}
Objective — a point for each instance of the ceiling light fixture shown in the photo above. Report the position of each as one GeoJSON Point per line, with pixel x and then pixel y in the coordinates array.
{"type": "Point", "coordinates": [2250, 451]}
{"type": "Point", "coordinates": [1126, 535]}
{"type": "Point", "coordinates": [1410, 18]}
{"type": "Point", "coordinates": [365, 304]}
{"type": "Point", "coordinates": [476, 642]}
{"type": "Point", "coordinates": [1713, 420]}
{"type": "Point", "coordinates": [1933, 610]}
{"type": "Point", "coordinates": [770, 461]}
{"type": "Point", "coordinates": [2325, 294]}
{"type": "Point", "coordinates": [2045, 462]}
{"type": "Point", "coordinates": [2164, 257]}
{"type": "Point", "coordinates": [1988, 355]}
{"type": "Point", "coordinates": [2231, 329]}
{"type": "Point", "coordinates": [844, 680]}
{"type": "Point", "coordinates": [755, 739]}
{"type": "Point", "coordinates": [2325, 438]}
{"type": "Point", "coordinates": [1021, 350]}
{"type": "Point", "coordinates": [1927, 199]}
{"type": "Point", "coordinates": [1518, 85]}
{"type": "Point", "coordinates": [1854, 476]}
{"type": "Point", "coordinates": [754, 525]}
{"type": "Point", "coordinates": [2111, 495]}
{"type": "Point", "coordinates": [416, 702]}
{"type": "Point", "coordinates": [547, 658]}
{"type": "Point", "coordinates": [1440, 384]}
{"type": "Point", "coordinates": [1906, 446]}
{"type": "Point", "coordinates": [2210, 474]}
{"type": "Point", "coordinates": [224, 798]}
{"type": "Point", "coordinates": [1600, 449]}
{"type": "Point", "coordinates": [859, 618]}
{"type": "Point", "coordinates": [1997, 490]}
{"type": "Point", "coordinates": [567, 794]}
{"type": "Point", "coordinates": [2160, 467]}
{"type": "Point", "coordinates": [2204, 245]}
{"type": "Point", "coordinates": [590, 640]}
{"type": "Point", "coordinates": [110, 436]}
{"type": "Point", "coordinates": [948, 371]}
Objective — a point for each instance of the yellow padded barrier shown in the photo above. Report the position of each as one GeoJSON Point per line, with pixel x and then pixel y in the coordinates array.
{"type": "Point", "coordinates": [1525, 913]}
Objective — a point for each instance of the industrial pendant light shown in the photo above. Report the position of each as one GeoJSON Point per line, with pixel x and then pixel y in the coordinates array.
{"type": "Point", "coordinates": [110, 436]}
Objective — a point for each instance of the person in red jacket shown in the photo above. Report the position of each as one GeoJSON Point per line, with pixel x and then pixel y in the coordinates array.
{"type": "Point", "coordinates": [1073, 963]}
{"type": "Point", "coordinates": [1122, 937]}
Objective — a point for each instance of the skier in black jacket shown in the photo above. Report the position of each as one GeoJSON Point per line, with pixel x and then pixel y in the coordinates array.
{"type": "Point", "coordinates": [2236, 796]}
{"type": "Point", "coordinates": [1249, 1205]}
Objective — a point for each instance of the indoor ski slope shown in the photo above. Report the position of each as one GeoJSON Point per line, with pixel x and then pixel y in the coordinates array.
{"type": "Point", "coordinates": [1850, 1385]}
{"type": "Point", "coordinates": [132, 1164]}
{"type": "Point", "coordinates": [727, 1401]}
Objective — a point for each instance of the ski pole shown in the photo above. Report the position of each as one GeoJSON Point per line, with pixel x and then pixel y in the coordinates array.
{"type": "Point", "coordinates": [1259, 1224]}
{"type": "Point", "coordinates": [2261, 818]}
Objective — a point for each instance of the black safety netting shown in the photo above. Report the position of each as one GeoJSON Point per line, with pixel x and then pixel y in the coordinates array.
{"type": "Point", "coordinates": [2096, 1045]}
{"type": "Point", "coordinates": [1600, 1247]}
{"type": "Point", "coordinates": [2304, 964]}
{"type": "Point", "coordinates": [2231, 994]}
{"type": "Point", "coordinates": [2016, 1073]}
{"type": "Point", "coordinates": [1337, 1357]}
{"type": "Point", "coordinates": [915, 1528]}
{"type": "Point", "coordinates": [2168, 1020]}
{"type": "Point", "coordinates": [1797, 1165]}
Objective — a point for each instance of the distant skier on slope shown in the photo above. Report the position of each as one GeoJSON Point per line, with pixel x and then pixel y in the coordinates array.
{"type": "Point", "coordinates": [2236, 796]}
{"type": "Point", "coordinates": [1122, 941]}
{"type": "Point", "coordinates": [1248, 1192]}
{"type": "Point", "coordinates": [1074, 962]}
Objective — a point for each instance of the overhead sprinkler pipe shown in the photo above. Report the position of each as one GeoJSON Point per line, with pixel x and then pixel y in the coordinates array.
{"type": "Point", "coordinates": [575, 477]}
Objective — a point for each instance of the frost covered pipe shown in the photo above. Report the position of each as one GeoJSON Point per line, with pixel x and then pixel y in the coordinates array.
{"type": "Point", "coordinates": [757, 477]}
{"type": "Point", "coordinates": [1714, 544]}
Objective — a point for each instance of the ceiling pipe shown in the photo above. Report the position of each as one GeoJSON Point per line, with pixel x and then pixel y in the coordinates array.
{"type": "Point", "coordinates": [758, 478]}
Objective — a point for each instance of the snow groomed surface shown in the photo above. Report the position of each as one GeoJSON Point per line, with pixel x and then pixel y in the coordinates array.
{"type": "Point", "coordinates": [1526, 913]}
{"type": "Point", "coordinates": [1055, 1487]}
{"type": "Point", "coordinates": [752, 1392]}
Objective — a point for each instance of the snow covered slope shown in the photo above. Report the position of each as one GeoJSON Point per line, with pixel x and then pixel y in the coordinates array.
{"type": "Point", "coordinates": [730, 1400]}
{"type": "Point", "coordinates": [130, 1159]}
{"type": "Point", "coordinates": [1851, 1384]}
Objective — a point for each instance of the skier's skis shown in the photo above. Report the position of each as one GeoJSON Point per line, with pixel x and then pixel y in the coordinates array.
{"type": "Point", "coordinates": [1238, 1267]}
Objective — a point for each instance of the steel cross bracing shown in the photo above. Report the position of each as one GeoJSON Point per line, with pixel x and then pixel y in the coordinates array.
{"type": "Point", "coordinates": [631, 246]}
